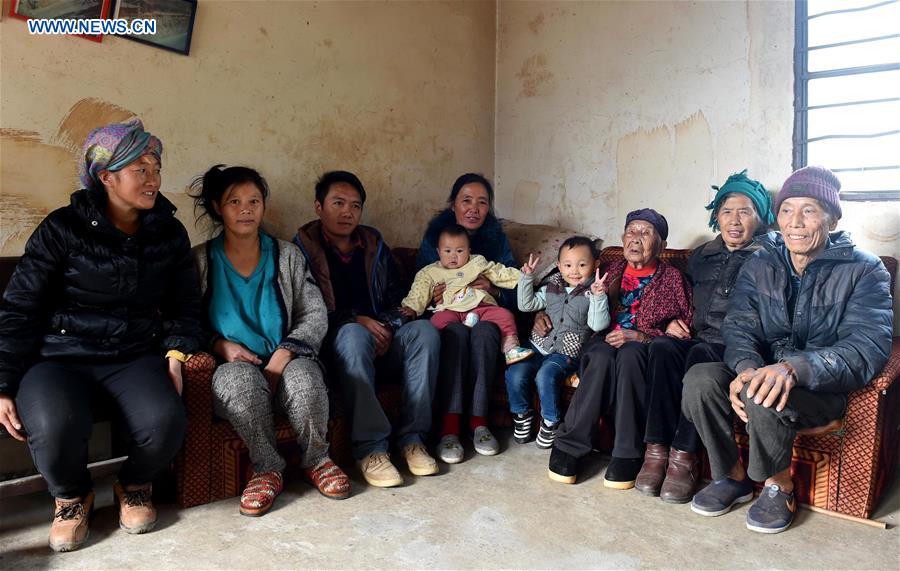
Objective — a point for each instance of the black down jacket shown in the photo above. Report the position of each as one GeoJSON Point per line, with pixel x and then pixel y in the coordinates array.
{"type": "Point", "coordinates": [713, 270]}
{"type": "Point", "coordinates": [85, 290]}
{"type": "Point", "coordinates": [840, 334]}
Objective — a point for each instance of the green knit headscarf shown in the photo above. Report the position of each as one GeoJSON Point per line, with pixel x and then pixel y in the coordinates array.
{"type": "Point", "coordinates": [752, 189]}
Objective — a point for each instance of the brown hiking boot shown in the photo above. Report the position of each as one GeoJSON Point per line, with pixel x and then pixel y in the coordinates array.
{"type": "Point", "coordinates": [71, 519]}
{"type": "Point", "coordinates": [136, 511]}
{"type": "Point", "coordinates": [653, 472]}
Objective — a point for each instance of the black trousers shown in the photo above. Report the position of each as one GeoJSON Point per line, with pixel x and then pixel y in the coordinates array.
{"type": "Point", "coordinates": [609, 379]}
{"type": "Point", "coordinates": [668, 362]}
{"type": "Point", "coordinates": [772, 433]}
{"type": "Point", "coordinates": [54, 405]}
{"type": "Point", "coordinates": [469, 362]}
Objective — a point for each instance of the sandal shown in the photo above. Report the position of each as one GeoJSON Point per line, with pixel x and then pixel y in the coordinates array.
{"type": "Point", "coordinates": [329, 479]}
{"type": "Point", "coordinates": [260, 493]}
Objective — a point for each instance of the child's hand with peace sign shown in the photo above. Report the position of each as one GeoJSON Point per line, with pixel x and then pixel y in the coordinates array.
{"type": "Point", "coordinates": [531, 264]}
{"type": "Point", "coordinates": [599, 285]}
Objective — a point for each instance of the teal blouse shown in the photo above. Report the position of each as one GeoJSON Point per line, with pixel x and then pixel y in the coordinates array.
{"type": "Point", "coordinates": [246, 309]}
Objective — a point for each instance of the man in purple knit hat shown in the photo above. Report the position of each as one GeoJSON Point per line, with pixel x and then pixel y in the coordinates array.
{"type": "Point", "coordinates": [809, 321]}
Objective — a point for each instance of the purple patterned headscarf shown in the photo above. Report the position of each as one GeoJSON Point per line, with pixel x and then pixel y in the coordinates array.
{"type": "Point", "coordinates": [112, 147]}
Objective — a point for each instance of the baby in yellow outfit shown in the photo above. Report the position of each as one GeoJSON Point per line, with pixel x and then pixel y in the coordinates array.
{"type": "Point", "coordinates": [460, 301]}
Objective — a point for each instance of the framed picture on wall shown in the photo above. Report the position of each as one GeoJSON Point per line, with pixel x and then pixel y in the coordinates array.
{"type": "Point", "coordinates": [62, 9]}
{"type": "Point", "coordinates": [174, 22]}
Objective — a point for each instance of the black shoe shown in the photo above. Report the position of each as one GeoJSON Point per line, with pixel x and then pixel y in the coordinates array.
{"type": "Point", "coordinates": [622, 472]}
{"type": "Point", "coordinates": [522, 426]}
{"type": "Point", "coordinates": [772, 512]}
{"type": "Point", "coordinates": [546, 434]}
{"type": "Point", "coordinates": [563, 467]}
{"type": "Point", "coordinates": [721, 495]}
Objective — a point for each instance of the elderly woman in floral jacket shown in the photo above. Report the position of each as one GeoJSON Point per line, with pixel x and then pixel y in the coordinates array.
{"type": "Point", "coordinates": [645, 295]}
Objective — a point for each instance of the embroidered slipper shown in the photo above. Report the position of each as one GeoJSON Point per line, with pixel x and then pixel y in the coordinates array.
{"type": "Point", "coordinates": [329, 479]}
{"type": "Point", "coordinates": [260, 493]}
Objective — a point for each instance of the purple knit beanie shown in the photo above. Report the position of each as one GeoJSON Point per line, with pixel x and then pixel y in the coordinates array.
{"type": "Point", "coordinates": [653, 217]}
{"type": "Point", "coordinates": [812, 182]}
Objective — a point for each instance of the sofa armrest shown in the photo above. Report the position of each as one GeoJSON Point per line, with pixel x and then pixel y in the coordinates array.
{"type": "Point", "coordinates": [198, 372]}
{"type": "Point", "coordinates": [193, 462]}
{"type": "Point", "coordinates": [891, 372]}
{"type": "Point", "coordinates": [862, 403]}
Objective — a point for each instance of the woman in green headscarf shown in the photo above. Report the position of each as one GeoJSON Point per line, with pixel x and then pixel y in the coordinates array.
{"type": "Point", "coordinates": [740, 210]}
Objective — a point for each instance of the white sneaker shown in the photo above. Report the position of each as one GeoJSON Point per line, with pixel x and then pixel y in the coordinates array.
{"type": "Point", "coordinates": [471, 319]}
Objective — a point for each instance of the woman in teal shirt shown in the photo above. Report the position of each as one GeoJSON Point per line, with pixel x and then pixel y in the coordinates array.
{"type": "Point", "coordinates": [267, 320]}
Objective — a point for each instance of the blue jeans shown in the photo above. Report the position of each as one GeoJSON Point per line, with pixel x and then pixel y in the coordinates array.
{"type": "Point", "coordinates": [412, 359]}
{"type": "Point", "coordinates": [548, 373]}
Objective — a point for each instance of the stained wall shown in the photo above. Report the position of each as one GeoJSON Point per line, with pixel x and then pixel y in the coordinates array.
{"type": "Point", "coordinates": [399, 92]}
{"type": "Point", "coordinates": [582, 111]}
{"type": "Point", "coordinates": [605, 107]}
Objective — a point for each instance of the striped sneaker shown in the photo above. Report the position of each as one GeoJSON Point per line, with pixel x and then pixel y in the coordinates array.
{"type": "Point", "coordinates": [546, 434]}
{"type": "Point", "coordinates": [522, 426]}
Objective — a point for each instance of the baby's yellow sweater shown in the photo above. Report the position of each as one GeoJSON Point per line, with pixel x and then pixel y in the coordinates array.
{"type": "Point", "coordinates": [458, 296]}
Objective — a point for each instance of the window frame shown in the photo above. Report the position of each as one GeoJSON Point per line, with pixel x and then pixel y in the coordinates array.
{"type": "Point", "coordinates": [802, 76]}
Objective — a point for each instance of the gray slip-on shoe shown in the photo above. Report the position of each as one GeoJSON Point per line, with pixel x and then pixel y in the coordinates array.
{"type": "Point", "coordinates": [450, 450]}
{"type": "Point", "coordinates": [484, 442]}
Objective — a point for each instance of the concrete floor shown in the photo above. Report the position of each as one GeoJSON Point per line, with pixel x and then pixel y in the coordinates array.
{"type": "Point", "coordinates": [500, 512]}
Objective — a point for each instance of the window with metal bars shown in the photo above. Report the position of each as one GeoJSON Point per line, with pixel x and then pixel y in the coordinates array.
{"type": "Point", "coordinates": [847, 93]}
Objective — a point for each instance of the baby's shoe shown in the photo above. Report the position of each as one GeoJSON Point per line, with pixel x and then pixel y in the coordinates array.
{"type": "Point", "coordinates": [517, 354]}
{"type": "Point", "coordinates": [471, 319]}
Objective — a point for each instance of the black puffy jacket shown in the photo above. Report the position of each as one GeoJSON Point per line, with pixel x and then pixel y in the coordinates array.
{"type": "Point", "coordinates": [713, 270]}
{"type": "Point", "coordinates": [85, 290]}
{"type": "Point", "coordinates": [840, 333]}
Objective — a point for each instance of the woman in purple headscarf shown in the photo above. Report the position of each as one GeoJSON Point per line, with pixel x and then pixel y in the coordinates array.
{"type": "Point", "coordinates": [645, 295]}
{"type": "Point", "coordinates": [104, 302]}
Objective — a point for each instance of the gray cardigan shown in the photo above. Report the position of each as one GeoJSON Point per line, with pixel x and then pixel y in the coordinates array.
{"type": "Point", "coordinates": [302, 309]}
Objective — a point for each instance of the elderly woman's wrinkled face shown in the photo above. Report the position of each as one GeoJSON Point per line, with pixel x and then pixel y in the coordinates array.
{"type": "Point", "coordinates": [737, 221]}
{"type": "Point", "coordinates": [641, 243]}
{"type": "Point", "coordinates": [804, 224]}
{"type": "Point", "coordinates": [471, 206]}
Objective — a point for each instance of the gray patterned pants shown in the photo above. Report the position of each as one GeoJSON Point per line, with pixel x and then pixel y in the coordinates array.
{"type": "Point", "coordinates": [241, 396]}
